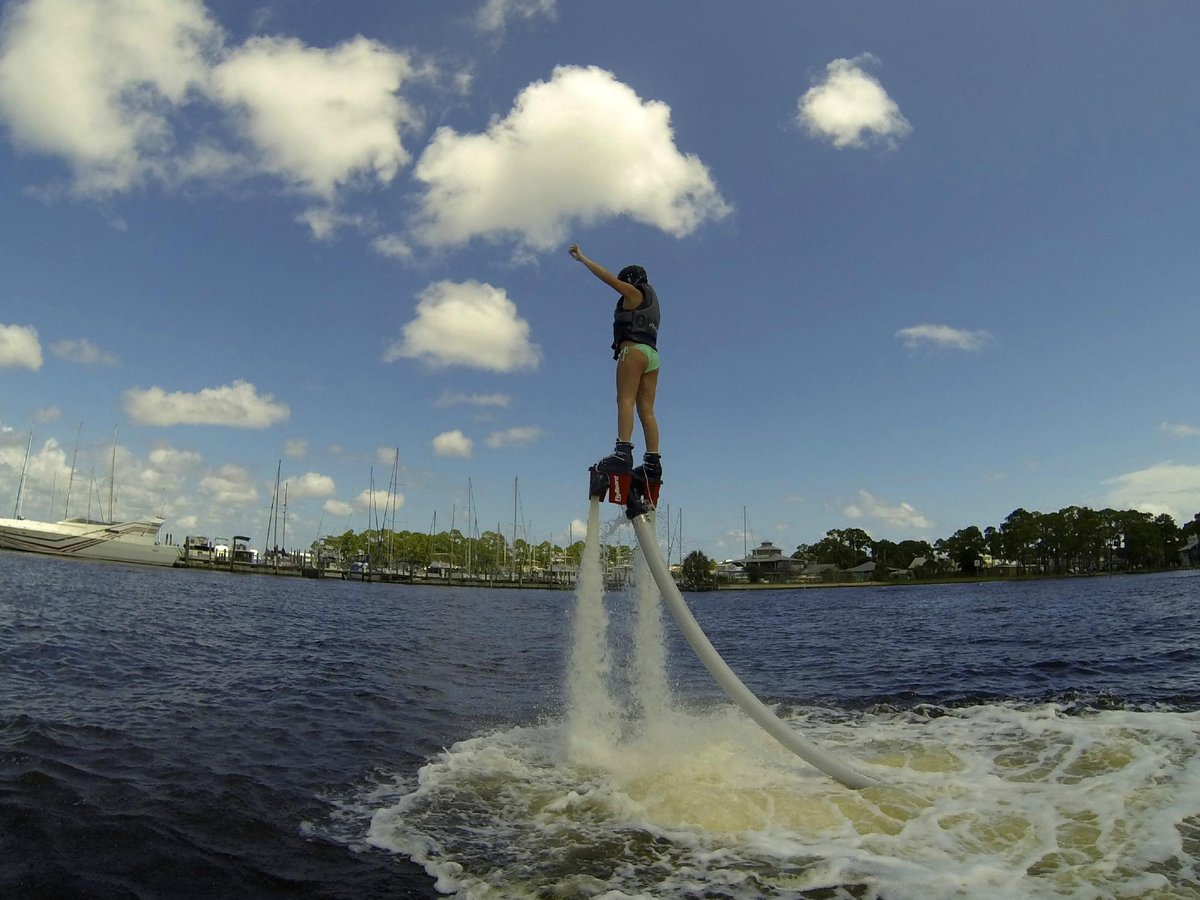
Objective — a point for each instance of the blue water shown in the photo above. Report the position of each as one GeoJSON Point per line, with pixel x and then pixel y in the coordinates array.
{"type": "Point", "coordinates": [192, 734]}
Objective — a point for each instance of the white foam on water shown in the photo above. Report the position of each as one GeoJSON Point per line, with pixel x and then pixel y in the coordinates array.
{"type": "Point", "coordinates": [633, 796]}
{"type": "Point", "coordinates": [995, 801]}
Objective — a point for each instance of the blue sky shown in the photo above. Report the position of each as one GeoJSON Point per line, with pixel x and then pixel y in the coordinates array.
{"type": "Point", "coordinates": [920, 264]}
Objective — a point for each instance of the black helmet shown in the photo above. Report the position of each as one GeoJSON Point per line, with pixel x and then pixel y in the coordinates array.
{"type": "Point", "coordinates": [634, 275]}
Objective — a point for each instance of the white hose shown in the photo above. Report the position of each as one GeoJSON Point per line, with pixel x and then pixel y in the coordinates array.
{"type": "Point", "coordinates": [729, 682]}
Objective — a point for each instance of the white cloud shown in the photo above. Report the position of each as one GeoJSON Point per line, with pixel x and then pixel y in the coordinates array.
{"type": "Point", "coordinates": [378, 500]}
{"type": "Point", "coordinates": [1178, 429]}
{"type": "Point", "coordinates": [453, 443]}
{"type": "Point", "coordinates": [103, 85]}
{"type": "Point", "coordinates": [493, 16]}
{"type": "Point", "coordinates": [392, 246]}
{"type": "Point", "coordinates": [95, 81]}
{"type": "Point", "coordinates": [84, 352]}
{"type": "Point", "coordinates": [230, 485]}
{"type": "Point", "coordinates": [385, 456]}
{"type": "Point", "coordinates": [19, 346]}
{"type": "Point", "coordinates": [237, 405]}
{"type": "Point", "coordinates": [453, 399]}
{"type": "Point", "coordinates": [310, 484]}
{"type": "Point", "coordinates": [324, 221]}
{"type": "Point", "coordinates": [338, 508]}
{"type": "Point", "coordinates": [521, 436]}
{"type": "Point", "coordinates": [556, 160]}
{"type": "Point", "coordinates": [295, 448]}
{"type": "Point", "coordinates": [170, 459]}
{"type": "Point", "coordinates": [1167, 487]}
{"type": "Point", "coordinates": [901, 516]}
{"type": "Point", "coordinates": [576, 531]}
{"type": "Point", "coordinates": [850, 108]}
{"type": "Point", "coordinates": [320, 117]}
{"type": "Point", "coordinates": [942, 336]}
{"type": "Point", "coordinates": [467, 324]}
{"type": "Point", "coordinates": [47, 414]}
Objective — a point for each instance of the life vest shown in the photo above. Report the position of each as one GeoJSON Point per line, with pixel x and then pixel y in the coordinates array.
{"type": "Point", "coordinates": [640, 324]}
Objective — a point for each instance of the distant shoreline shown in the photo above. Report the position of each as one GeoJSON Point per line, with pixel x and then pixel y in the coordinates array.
{"type": "Point", "coordinates": [974, 579]}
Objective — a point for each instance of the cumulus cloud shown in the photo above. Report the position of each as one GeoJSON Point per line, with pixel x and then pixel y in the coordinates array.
{"type": "Point", "coordinates": [574, 531]}
{"type": "Point", "coordinates": [171, 459]}
{"type": "Point", "coordinates": [338, 508]}
{"type": "Point", "coordinates": [378, 500]}
{"type": "Point", "coordinates": [325, 221]}
{"type": "Point", "coordinates": [392, 246]}
{"type": "Point", "coordinates": [230, 485]}
{"type": "Point", "coordinates": [449, 398]}
{"type": "Point", "coordinates": [386, 456]}
{"type": "Point", "coordinates": [310, 484]}
{"type": "Point", "coordinates": [900, 516]}
{"type": "Point", "coordinates": [520, 436]}
{"type": "Point", "coordinates": [467, 324]}
{"type": "Point", "coordinates": [95, 82]}
{"type": "Point", "coordinates": [237, 405]}
{"type": "Point", "coordinates": [494, 15]}
{"type": "Point", "coordinates": [1167, 487]}
{"type": "Point", "coordinates": [84, 352]}
{"type": "Point", "coordinates": [942, 336]}
{"type": "Point", "coordinates": [295, 448]}
{"type": "Point", "coordinates": [453, 443]}
{"type": "Point", "coordinates": [19, 346]}
{"type": "Point", "coordinates": [1178, 429]}
{"type": "Point", "coordinates": [319, 117]}
{"type": "Point", "coordinates": [850, 108]}
{"type": "Point", "coordinates": [558, 145]}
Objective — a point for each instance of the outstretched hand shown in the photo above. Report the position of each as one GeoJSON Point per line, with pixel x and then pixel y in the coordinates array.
{"type": "Point", "coordinates": [575, 252]}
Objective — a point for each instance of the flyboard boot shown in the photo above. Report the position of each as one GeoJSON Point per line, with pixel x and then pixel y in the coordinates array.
{"type": "Point", "coordinates": [619, 462]}
{"type": "Point", "coordinates": [650, 469]}
{"type": "Point", "coordinates": [613, 474]}
{"type": "Point", "coordinates": [635, 489]}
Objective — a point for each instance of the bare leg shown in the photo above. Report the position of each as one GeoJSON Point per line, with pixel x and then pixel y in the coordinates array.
{"type": "Point", "coordinates": [647, 388]}
{"type": "Point", "coordinates": [630, 369]}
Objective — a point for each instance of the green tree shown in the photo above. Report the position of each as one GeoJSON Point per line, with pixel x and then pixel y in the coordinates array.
{"type": "Point", "coordinates": [697, 573]}
{"type": "Point", "coordinates": [842, 547]}
{"type": "Point", "coordinates": [1171, 536]}
{"type": "Point", "coordinates": [909, 550]}
{"type": "Point", "coordinates": [1018, 537]}
{"type": "Point", "coordinates": [964, 547]}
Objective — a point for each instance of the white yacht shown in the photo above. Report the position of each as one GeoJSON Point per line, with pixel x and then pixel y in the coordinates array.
{"type": "Point", "coordinates": [132, 542]}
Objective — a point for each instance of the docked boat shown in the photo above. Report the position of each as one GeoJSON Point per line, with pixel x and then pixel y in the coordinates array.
{"type": "Point", "coordinates": [131, 542]}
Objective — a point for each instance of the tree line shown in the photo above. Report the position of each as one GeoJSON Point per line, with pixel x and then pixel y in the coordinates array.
{"type": "Point", "coordinates": [489, 553]}
{"type": "Point", "coordinates": [1074, 539]}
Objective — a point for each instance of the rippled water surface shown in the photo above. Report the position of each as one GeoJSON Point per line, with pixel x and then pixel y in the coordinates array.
{"type": "Point", "coordinates": [190, 734]}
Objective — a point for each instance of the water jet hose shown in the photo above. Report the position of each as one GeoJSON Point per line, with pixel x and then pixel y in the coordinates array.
{"type": "Point", "coordinates": [725, 676]}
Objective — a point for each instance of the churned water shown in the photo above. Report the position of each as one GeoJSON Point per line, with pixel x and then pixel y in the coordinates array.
{"type": "Point", "coordinates": [188, 734]}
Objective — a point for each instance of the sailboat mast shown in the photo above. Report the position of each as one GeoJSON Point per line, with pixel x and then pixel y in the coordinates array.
{"type": "Point", "coordinates": [112, 477]}
{"type": "Point", "coordinates": [21, 483]}
{"type": "Point", "coordinates": [273, 510]}
{"type": "Point", "coordinates": [71, 480]}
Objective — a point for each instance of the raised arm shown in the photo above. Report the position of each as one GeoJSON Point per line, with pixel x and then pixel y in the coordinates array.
{"type": "Point", "coordinates": [631, 294]}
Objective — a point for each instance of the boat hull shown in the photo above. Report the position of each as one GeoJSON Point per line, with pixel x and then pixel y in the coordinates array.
{"type": "Point", "coordinates": [129, 542]}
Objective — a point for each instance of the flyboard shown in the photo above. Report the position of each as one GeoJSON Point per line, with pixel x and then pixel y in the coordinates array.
{"type": "Point", "coordinates": [639, 497]}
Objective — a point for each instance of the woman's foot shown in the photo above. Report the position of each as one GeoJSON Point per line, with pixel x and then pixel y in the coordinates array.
{"type": "Point", "coordinates": [619, 462]}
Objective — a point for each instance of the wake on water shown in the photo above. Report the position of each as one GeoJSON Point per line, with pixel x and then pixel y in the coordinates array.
{"type": "Point", "coordinates": [631, 795]}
